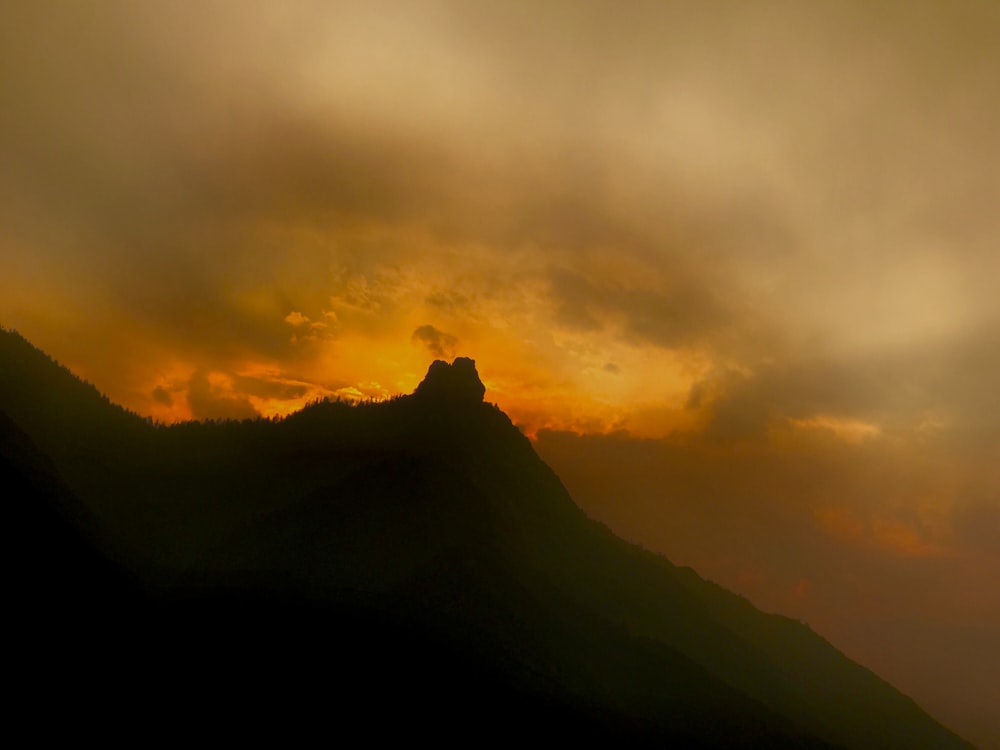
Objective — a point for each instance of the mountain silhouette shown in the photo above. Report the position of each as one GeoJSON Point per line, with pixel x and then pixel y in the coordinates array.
{"type": "Point", "coordinates": [413, 563]}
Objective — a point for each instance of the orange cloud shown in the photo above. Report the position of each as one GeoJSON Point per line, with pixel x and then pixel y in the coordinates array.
{"type": "Point", "coordinates": [902, 538]}
{"type": "Point", "coordinates": [848, 430]}
{"type": "Point", "coordinates": [883, 533]}
{"type": "Point", "coordinates": [296, 319]}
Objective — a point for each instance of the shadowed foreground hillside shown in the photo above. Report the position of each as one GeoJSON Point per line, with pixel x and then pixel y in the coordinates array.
{"type": "Point", "coordinates": [410, 568]}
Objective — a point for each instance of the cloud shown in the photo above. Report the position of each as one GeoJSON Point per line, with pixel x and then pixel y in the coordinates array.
{"type": "Point", "coordinates": [211, 396]}
{"type": "Point", "coordinates": [438, 343]}
{"type": "Point", "coordinates": [662, 309]}
{"type": "Point", "coordinates": [449, 301]}
{"type": "Point", "coordinates": [977, 524]}
{"type": "Point", "coordinates": [162, 396]}
{"type": "Point", "coordinates": [272, 388]}
{"type": "Point", "coordinates": [296, 319]}
{"type": "Point", "coordinates": [824, 391]}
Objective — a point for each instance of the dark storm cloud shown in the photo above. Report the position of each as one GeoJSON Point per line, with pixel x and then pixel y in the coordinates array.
{"type": "Point", "coordinates": [265, 388]}
{"type": "Point", "coordinates": [148, 178]}
{"type": "Point", "coordinates": [438, 343]}
{"type": "Point", "coordinates": [162, 396]}
{"type": "Point", "coordinates": [948, 380]}
{"type": "Point", "coordinates": [681, 313]}
{"type": "Point", "coordinates": [175, 163]}
{"type": "Point", "coordinates": [746, 405]}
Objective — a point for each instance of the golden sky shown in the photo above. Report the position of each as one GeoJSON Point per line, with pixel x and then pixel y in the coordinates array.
{"type": "Point", "coordinates": [732, 264]}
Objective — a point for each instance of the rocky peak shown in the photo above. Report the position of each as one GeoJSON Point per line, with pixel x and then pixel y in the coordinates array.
{"type": "Point", "coordinates": [457, 382]}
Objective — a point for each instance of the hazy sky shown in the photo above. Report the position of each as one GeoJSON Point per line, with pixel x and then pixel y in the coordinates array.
{"type": "Point", "coordinates": [733, 264]}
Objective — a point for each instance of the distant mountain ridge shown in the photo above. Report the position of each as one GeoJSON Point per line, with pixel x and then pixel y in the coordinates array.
{"type": "Point", "coordinates": [427, 532]}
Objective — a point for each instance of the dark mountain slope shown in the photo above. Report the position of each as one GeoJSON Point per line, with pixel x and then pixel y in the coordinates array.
{"type": "Point", "coordinates": [428, 533]}
{"type": "Point", "coordinates": [459, 481]}
{"type": "Point", "coordinates": [65, 414]}
{"type": "Point", "coordinates": [84, 636]}
{"type": "Point", "coordinates": [57, 572]}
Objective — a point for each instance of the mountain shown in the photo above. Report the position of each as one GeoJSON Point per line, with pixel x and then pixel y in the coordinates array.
{"type": "Point", "coordinates": [411, 565]}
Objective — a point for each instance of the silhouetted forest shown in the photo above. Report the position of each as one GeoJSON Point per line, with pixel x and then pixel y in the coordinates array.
{"type": "Point", "coordinates": [407, 569]}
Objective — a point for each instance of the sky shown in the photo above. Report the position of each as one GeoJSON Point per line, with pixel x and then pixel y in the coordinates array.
{"type": "Point", "coordinates": [731, 265]}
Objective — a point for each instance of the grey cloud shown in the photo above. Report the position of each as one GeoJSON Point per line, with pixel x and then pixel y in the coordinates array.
{"type": "Point", "coordinates": [266, 388]}
{"type": "Point", "coordinates": [892, 389]}
{"type": "Point", "coordinates": [162, 396]}
{"type": "Point", "coordinates": [438, 343]}
{"type": "Point", "coordinates": [161, 169]}
{"type": "Point", "coordinates": [747, 404]}
{"type": "Point", "coordinates": [977, 524]}
{"type": "Point", "coordinates": [678, 313]}
{"type": "Point", "coordinates": [449, 301]}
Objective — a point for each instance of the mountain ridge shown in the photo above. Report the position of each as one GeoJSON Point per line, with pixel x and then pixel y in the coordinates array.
{"type": "Point", "coordinates": [434, 512]}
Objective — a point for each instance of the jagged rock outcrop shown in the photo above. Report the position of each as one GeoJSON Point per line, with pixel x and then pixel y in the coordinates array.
{"type": "Point", "coordinates": [455, 383]}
